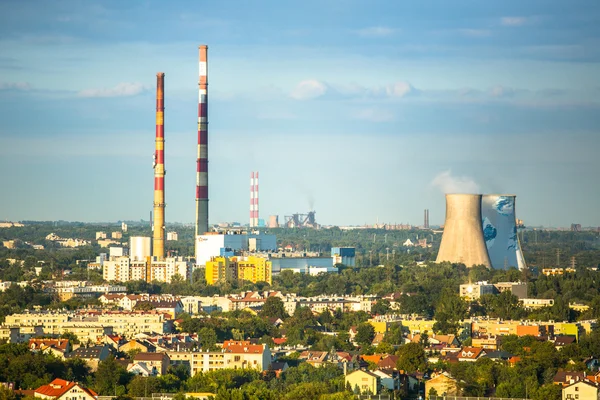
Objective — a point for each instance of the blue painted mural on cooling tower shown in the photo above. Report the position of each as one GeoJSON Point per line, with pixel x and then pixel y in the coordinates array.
{"type": "Point", "coordinates": [500, 231]}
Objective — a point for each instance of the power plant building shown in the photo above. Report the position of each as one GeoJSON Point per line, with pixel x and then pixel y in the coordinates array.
{"type": "Point", "coordinates": [463, 241]}
{"type": "Point", "coordinates": [500, 231]}
{"type": "Point", "coordinates": [213, 245]}
{"type": "Point", "coordinates": [344, 255]}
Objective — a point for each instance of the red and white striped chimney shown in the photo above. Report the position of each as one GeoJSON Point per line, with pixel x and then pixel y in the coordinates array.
{"type": "Point", "coordinates": [253, 199]}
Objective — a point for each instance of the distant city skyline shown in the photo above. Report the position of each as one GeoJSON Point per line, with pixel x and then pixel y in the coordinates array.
{"type": "Point", "coordinates": [360, 110]}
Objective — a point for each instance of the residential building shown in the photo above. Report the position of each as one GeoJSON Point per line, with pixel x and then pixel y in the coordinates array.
{"type": "Point", "coordinates": [157, 363]}
{"type": "Point", "coordinates": [172, 236]}
{"type": "Point", "coordinates": [363, 382]}
{"type": "Point", "coordinates": [60, 389]}
{"type": "Point", "coordinates": [219, 270]}
{"type": "Point", "coordinates": [473, 291]}
{"type": "Point", "coordinates": [443, 384]}
{"type": "Point", "coordinates": [584, 390]}
{"type": "Point", "coordinates": [470, 353]}
{"type": "Point", "coordinates": [532, 304]}
{"type": "Point", "coordinates": [92, 355]}
{"type": "Point", "coordinates": [254, 269]}
{"type": "Point", "coordinates": [234, 354]}
{"type": "Point", "coordinates": [388, 378]}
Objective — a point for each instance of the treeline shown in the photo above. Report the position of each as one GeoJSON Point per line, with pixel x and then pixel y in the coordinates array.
{"type": "Point", "coordinates": [31, 370]}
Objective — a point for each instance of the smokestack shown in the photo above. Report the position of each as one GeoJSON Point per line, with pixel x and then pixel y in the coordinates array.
{"type": "Point", "coordinates": [158, 247]}
{"type": "Point", "coordinates": [426, 219]}
{"type": "Point", "coordinates": [251, 199]}
{"type": "Point", "coordinates": [500, 231]}
{"type": "Point", "coordinates": [202, 160]}
{"type": "Point", "coordinates": [256, 198]}
{"type": "Point", "coordinates": [462, 241]}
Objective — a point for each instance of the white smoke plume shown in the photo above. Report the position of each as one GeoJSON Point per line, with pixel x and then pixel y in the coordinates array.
{"type": "Point", "coordinates": [449, 183]}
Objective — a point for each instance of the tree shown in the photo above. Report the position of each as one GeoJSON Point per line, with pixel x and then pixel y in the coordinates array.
{"type": "Point", "coordinates": [450, 310]}
{"type": "Point", "coordinates": [365, 333]}
{"type": "Point", "coordinates": [411, 358]}
{"type": "Point", "coordinates": [110, 378]}
{"type": "Point", "coordinates": [274, 308]}
{"type": "Point", "coordinates": [382, 307]}
{"type": "Point", "coordinates": [207, 337]}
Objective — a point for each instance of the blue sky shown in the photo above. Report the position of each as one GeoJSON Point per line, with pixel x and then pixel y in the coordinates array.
{"type": "Point", "coordinates": [362, 109]}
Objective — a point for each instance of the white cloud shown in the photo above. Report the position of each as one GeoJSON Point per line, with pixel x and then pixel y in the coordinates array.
{"type": "Point", "coordinates": [376, 31]}
{"type": "Point", "coordinates": [513, 21]}
{"type": "Point", "coordinates": [123, 89]}
{"type": "Point", "coordinates": [308, 89]}
{"type": "Point", "coordinates": [15, 86]}
{"type": "Point", "coordinates": [375, 115]}
{"type": "Point", "coordinates": [399, 89]}
{"type": "Point", "coordinates": [447, 183]}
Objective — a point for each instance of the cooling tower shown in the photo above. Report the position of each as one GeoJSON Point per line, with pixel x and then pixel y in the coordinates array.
{"type": "Point", "coordinates": [462, 241]}
{"type": "Point", "coordinates": [500, 231]}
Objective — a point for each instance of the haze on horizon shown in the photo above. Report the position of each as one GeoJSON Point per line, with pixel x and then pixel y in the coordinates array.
{"type": "Point", "coordinates": [366, 110]}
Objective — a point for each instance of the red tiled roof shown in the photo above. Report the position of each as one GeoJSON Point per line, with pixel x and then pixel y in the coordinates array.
{"type": "Point", "coordinates": [242, 346]}
{"type": "Point", "coordinates": [58, 387]}
{"type": "Point", "coordinates": [279, 340]}
{"type": "Point", "coordinates": [60, 344]}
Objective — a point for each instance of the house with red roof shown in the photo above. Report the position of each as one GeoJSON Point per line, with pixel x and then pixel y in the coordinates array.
{"type": "Point", "coordinates": [59, 389]}
{"type": "Point", "coordinates": [58, 347]}
{"type": "Point", "coordinates": [471, 353]}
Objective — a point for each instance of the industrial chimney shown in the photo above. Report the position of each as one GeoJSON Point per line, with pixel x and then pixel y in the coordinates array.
{"type": "Point", "coordinates": [158, 246]}
{"type": "Point", "coordinates": [253, 199]}
{"type": "Point", "coordinates": [500, 231]}
{"type": "Point", "coordinates": [462, 241]}
{"type": "Point", "coordinates": [202, 159]}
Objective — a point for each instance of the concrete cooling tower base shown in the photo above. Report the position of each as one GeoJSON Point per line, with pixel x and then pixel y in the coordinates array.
{"type": "Point", "coordinates": [463, 241]}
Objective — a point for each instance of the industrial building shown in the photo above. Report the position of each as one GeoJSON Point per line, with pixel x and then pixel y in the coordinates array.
{"type": "Point", "coordinates": [344, 255]}
{"type": "Point", "coordinates": [216, 244]}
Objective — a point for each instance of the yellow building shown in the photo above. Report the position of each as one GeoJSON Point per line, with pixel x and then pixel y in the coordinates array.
{"type": "Point", "coordinates": [443, 384]}
{"type": "Point", "coordinates": [417, 326]}
{"type": "Point", "coordinates": [219, 269]}
{"type": "Point", "coordinates": [568, 329]}
{"type": "Point", "coordinates": [254, 269]}
{"type": "Point", "coordinates": [366, 382]}
{"type": "Point", "coordinates": [581, 390]}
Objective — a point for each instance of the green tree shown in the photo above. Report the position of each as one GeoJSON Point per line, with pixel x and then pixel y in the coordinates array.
{"type": "Point", "coordinates": [110, 378]}
{"type": "Point", "coordinates": [207, 337]}
{"type": "Point", "coordinates": [382, 307]}
{"type": "Point", "coordinates": [274, 308]}
{"type": "Point", "coordinates": [365, 333]}
{"type": "Point", "coordinates": [411, 358]}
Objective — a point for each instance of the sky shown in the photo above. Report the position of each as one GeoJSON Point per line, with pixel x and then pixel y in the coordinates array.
{"type": "Point", "coordinates": [363, 110]}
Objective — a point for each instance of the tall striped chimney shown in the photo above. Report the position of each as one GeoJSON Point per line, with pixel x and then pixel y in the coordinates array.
{"type": "Point", "coordinates": [158, 245]}
{"type": "Point", "coordinates": [251, 199]}
{"type": "Point", "coordinates": [202, 160]}
{"type": "Point", "coordinates": [256, 199]}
